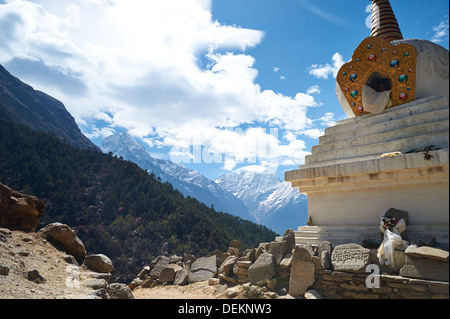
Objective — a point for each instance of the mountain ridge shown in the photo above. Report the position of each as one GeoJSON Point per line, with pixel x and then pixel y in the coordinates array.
{"type": "Point", "coordinates": [189, 182]}
{"type": "Point", "coordinates": [39, 110]}
{"type": "Point", "coordinates": [272, 202]}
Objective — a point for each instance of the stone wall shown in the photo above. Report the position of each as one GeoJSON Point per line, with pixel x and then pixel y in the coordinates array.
{"type": "Point", "coordinates": [344, 285]}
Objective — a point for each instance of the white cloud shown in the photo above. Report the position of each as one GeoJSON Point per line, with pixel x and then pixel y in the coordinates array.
{"type": "Point", "coordinates": [328, 119]}
{"type": "Point", "coordinates": [315, 89]}
{"type": "Point", "coordinates": [323, 71]}
{"type": "Point", "coordinates": [313, 133]}
{"type": "Point", "coordinates": [164, 70]}
{"type": "Point", "coordinates": [441, 30]}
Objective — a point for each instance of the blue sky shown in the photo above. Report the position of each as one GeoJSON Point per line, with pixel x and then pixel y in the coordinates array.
{"type": "Point", "coordinates": [216, 85]}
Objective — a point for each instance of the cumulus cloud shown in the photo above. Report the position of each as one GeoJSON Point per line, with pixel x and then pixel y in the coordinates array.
{"type": "Point", "coordinates": [322, 71]}
{"type": "Point", "coordinates": [166, 71]}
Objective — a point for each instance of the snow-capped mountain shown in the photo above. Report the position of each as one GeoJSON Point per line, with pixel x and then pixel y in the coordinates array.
{"type": "Point", "coordinates": [189, 182]}
{"type": "Point", "coordinates": [271, 202]}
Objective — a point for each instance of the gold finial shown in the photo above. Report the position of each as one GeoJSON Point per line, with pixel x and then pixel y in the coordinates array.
{"type": "Point", "coordinates": [384, 23]}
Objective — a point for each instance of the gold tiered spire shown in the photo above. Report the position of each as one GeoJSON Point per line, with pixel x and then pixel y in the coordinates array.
{"type": "Point", "coordinates": [384, 23]}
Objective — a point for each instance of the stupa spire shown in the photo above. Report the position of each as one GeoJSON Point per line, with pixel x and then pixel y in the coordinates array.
{"type": "Point", "coordinates": [384, 22]}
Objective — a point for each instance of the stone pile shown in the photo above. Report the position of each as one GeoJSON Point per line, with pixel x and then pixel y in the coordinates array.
{"type": "Point", "coordinates": [284, 269]}
{"type": "Point", "coordinates": [269, 265]}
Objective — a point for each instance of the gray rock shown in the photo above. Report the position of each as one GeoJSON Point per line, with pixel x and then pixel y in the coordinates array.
{"type": "Point", "coordinates": [174, 259]}
{"type": "Point", "coordinates": [278, 249]}
{"type": "Point", "coordinates": [325, 246]}
{"type": "Point", "coordinates": [427, 253]}
{"type": "Point", "coordinates": [168, 273]}
{"type": "Point", "coordinates": [160, 265]}
{"type": "Point", "coordinates": [422, 268]}
{"type": "Point", "coordinates": [98, 294]}
{"type": "Point", "coordinates": [99, 263]}
{"type": "Point", "coordinates": [302, 271]}
{"type": "Point", "coordinates": [203, 268]}
{"type": "Point", "coordinates": [96, 275]}
{"type": "Point", "coordinates": [262, 270]}
{"type": "Point", "coordinates": [95, 283]}
{"type": "Point", "coordinates": [227, 266]}
{"type": "Point", "coordinates": [181, 277]}
{"type": "Point", "coordinates": [119, 291]}
{"type": "Point", "coordinates": [289, 238]}
{"type": "Point", "coordinates": [427, 240]}
{"type": "Point", "coordinates": [325, 260]}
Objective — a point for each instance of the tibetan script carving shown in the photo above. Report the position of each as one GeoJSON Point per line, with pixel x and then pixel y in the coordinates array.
{"type": "Point", "coordinates": [350, 257]}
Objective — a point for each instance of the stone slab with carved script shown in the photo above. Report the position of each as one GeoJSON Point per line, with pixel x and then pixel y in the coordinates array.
{"type": "Point", "coordinates": [350, 257]}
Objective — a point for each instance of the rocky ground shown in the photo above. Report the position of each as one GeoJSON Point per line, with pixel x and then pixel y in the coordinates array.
{"type": "Point", "coordinates": [23, 253]}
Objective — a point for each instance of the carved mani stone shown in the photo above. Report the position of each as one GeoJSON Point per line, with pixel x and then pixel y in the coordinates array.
{"type": "Point", "coordinates": [350, 257]}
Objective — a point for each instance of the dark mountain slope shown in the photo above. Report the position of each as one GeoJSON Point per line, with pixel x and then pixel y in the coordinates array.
{"type": "Point", "coordinates": [39, 110]}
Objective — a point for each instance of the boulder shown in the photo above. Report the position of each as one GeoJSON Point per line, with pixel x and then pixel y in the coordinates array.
{"type": "Point", "coordinates": [65, 237]}
{"type": "Point", "coordinates": [278, 249]}
{"type": "Point", "coordinates": [262, 270]}
{"type": "Point", "coordinates": [289, 238]}
{"type": "Point", "coordinates": [119, 291]}
{"type": "Point", "coordinates": [302, 271]}
{"type": "Point", "coordinates": [236, 244]}
{"type": "Point", "coordinates": [227, 266]}
{"type": "Point", "coordinates": [19, 211]}
{"type": "Point", "coordinates": [160, 265]}
{"type": "Point", "coordinates": [181, 277]}
{"type": "Point", "coordinates": [426, 263]}
{"type": "Point", "coordinates": [99, 263]}
{"type": "Point", "coordinates": [203, 268]}
{"type": "Point", "coordinates": [167, 274]}
{"type": "Point", "coordinates": [175, 259]}
{"type": "Point", "coordinates": [324, 254]}
{"type": "Point", "coordinates": [423, 268]}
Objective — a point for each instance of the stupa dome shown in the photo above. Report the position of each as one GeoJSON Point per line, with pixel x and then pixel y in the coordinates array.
{"type": "Point", "coordinates": [387, 70]}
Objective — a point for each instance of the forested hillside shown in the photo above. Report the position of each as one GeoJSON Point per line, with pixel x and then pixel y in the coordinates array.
{"type": "Point", "coordinates": [117, 208]}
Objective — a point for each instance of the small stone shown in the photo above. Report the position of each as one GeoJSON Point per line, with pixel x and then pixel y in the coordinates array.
{"type": "Point", "coordinates": [33, 275]}
{"type": "Point", "coordinates": [427, 240]}
{"type": "Point", "coordinates": [119, 291]}
{"type": "Point", "coordinates": [4, 270]}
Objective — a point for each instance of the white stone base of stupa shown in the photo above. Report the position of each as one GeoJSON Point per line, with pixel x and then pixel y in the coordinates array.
{"type": "Point", "coordinates": [365, 165]}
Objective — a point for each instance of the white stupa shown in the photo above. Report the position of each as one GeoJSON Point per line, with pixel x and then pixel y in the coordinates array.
{"type": "Point", "coordinates": [392, 151]}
